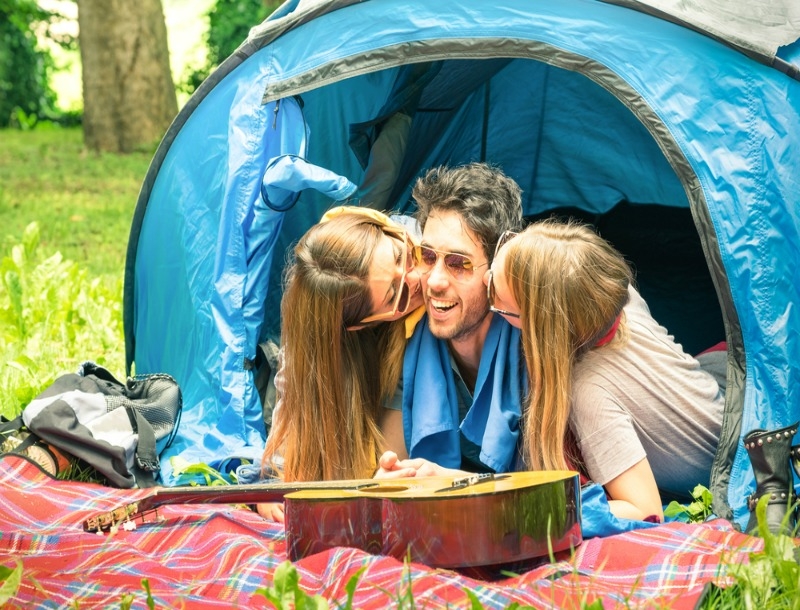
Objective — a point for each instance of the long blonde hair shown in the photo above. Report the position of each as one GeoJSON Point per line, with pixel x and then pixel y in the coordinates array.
{"type": "Point", "coordinates": [336, 380]}
{"type": "Point", "coordinates": [570, 285]}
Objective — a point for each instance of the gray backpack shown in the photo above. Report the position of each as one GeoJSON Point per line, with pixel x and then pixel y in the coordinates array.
{"type": "Point", "coordinates": [118, 429]}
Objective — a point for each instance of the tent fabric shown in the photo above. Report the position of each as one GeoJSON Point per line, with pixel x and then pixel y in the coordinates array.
{"type": "Point", "coordinates": [586, 104]}
{"type": "Point", "coordinates": [760, 27]}
{"type": "Point", "coordinates": [205, 556]}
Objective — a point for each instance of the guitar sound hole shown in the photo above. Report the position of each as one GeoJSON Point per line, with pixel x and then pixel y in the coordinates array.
{"type": "Point", "coordinates": [384, 489]}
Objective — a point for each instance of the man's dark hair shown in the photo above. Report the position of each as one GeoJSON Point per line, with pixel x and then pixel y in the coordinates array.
{"type": "Point", "coordinates": [489, 201]}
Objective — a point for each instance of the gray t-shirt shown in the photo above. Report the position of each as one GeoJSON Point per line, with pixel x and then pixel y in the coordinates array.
{"type": "Point", "coordinates": [648, 398]}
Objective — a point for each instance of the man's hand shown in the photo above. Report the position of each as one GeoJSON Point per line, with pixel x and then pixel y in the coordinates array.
{"type": "Point", "coordinates": [391, 467]}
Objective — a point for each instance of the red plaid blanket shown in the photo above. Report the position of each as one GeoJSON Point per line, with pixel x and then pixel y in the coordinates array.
{"type": "Point", "coordinates": [218, 556]}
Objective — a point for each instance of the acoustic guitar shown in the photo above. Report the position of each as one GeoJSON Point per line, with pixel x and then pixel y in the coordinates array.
{"type": "Point", "coordinates": [443, 522]}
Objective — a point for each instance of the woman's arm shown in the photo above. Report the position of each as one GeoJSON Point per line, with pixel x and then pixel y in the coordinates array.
{"type": "Point", "coordinates": [392, 429]}
{"type": "Point", "coordinates": [273, 511]}
{"type": "Point", "coordinates": [634, 495]}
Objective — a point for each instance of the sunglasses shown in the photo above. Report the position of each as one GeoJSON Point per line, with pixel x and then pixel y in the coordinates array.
{"type": "Point", "coordinates": [402, 298]}
{"type": "Point", "coordinates": [460, 267]}
{"type": "Point", "coordinates": [490, 292]}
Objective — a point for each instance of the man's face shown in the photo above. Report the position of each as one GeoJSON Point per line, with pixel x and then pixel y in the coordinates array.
{"type": "Point", "coordinates": [456, 306]}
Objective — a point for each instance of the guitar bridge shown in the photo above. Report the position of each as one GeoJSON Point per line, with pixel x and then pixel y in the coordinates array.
{"type": "Point", "coordinates": [473, 479]}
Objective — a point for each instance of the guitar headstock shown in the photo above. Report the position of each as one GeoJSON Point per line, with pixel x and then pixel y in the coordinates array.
{"type": "Point", "coordinates": [105, 522]}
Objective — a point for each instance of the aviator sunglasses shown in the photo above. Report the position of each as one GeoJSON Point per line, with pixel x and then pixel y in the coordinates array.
{"type": "Point", "coordinates": [460, 267]}
{"type": "Point", "coordinates": [490, 292]}
{"type": "Point", "coordinates": [402, 297]}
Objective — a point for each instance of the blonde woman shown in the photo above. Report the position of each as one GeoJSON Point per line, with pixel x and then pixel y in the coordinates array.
{"type": "Point", "coordinates": [611, 392]}
{"type": "Point", "coordinates": [349, 287]}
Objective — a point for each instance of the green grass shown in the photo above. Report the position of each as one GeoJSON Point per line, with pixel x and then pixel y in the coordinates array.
{"type": "Point", "coordinates": [84, 202]}
{"type": "Point", "coordinates": [65, 217]}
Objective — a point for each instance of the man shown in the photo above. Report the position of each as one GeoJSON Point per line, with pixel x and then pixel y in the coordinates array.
{"type": "Point", "coordinates": [462, 375]}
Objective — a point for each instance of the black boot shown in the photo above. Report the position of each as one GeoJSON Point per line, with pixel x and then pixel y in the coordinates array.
{"type": "Point", "coordinates": [794, 456]}
{"type": "Point", "coordinates": [769, 453]}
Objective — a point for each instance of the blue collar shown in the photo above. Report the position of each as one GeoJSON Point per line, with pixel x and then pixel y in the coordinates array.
{"type": "Point", "coordinates": [430, 401]}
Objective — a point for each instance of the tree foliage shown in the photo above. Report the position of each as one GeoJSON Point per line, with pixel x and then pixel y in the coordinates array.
{"type": "Point", "coordinates": [24, 67]}
{"type": "Point", "coordinates": [229, 22]}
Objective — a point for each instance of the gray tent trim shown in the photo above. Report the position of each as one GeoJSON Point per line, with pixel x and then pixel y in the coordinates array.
{"type": "Point", "coordinates": [757, 28]}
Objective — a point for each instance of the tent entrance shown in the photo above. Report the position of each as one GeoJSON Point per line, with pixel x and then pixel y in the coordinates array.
{"type": "Point", "coordinates": [571, 144]}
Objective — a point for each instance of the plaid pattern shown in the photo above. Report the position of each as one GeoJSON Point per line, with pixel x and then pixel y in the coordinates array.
{"type": "Point", "coordinates": [217, 556]}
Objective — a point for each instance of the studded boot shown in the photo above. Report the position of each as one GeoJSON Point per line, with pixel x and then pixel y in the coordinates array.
{"type": "Point", "coordinates": [770, 452]}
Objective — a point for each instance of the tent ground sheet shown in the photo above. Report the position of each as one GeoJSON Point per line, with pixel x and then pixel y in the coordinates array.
{"type": "Point", "coordinates": [218, 556]}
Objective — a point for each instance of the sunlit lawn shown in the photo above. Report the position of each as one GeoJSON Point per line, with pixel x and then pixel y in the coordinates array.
{"type": "Point", "coordinates": [84, 202]}
{"type": "Point", "coordinates": [61, 286]}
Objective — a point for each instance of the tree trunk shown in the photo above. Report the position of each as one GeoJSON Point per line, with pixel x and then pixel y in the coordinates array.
{"type": "Point", "coordinates": [128, 93]}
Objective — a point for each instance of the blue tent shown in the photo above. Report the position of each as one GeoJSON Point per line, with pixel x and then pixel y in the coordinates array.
{"type": "Point", "coordinates": [677, 134]}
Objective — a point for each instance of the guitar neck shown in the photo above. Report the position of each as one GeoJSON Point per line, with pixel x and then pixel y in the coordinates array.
{"type": "Point", "coordinates": [239, 494]}
{"type": "Point", "coordinates": [218, 494]}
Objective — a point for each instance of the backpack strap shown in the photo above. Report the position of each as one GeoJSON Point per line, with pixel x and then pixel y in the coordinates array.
{"type": "Point", "coordinates": [8, 426]}
{"type": "Point", "coordinates": [42, 456]}
{"type": "Point", "coordinates": [146, 460]}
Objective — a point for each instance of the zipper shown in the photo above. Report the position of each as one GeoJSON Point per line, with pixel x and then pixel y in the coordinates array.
{"type": "Point", "coordinates": [275, 114]}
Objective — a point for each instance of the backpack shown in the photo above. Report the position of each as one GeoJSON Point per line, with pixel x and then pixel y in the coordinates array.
{"type": "Point", "coordinates": [118, 429]}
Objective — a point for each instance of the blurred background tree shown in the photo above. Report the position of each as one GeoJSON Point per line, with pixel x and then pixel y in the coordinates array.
{"type": "Point", "coordinates": [128, 95]}
{"type": "Point", "coordinates": [124, 63]}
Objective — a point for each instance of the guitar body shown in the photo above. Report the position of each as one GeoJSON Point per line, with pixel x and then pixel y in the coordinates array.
{"type": "Point", "coordinates": [493, 523]}
{"type": "Point", "coordinates": [444, 522]}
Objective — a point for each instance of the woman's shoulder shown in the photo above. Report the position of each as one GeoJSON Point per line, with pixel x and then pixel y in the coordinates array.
{"type": "Point", "coordinates": [636, 302]}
